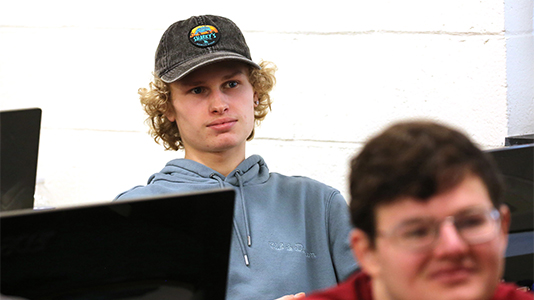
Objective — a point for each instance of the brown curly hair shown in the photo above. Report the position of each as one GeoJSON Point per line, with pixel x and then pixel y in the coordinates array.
{"type": "Point", "coordinates": [156, 100]}
{"type": "Point", "coordinates": [417, 159]}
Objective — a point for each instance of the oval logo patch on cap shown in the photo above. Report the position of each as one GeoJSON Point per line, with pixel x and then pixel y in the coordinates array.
{"type": "Point", "coordinates": [204, 35]}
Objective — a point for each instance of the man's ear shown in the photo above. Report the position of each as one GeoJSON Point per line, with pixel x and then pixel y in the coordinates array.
{"type": "Point", "coordinates": [256, 99]}
{"type": "Point", "coordinates": [169, 112]}
{"type": "Point", "coordinates": [506, 218]}
{"type": "Point", "coordinates": [364, 251]}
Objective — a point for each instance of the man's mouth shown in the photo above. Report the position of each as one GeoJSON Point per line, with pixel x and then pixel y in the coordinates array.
{"type": "Point", "coordinates": [222, 124]}
{"type": "Point", "coordinates": [452, 275]}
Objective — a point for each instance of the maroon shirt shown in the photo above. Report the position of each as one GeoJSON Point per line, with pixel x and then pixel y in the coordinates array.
{"type": "Point", "coordinates": [358, 287]}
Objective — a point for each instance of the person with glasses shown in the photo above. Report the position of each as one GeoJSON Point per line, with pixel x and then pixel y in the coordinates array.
{"type": "Point", "coordinates": [429, 221]}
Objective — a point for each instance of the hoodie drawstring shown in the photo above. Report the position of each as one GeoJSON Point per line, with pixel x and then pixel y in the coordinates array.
{"type": "Point", "coordinates": [236, 229]}
{"type": "Point", "coordinates": [247, 226]}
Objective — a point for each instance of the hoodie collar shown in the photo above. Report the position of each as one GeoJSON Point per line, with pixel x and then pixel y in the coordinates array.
{"type": "Point", "coordinates": [252, 170]}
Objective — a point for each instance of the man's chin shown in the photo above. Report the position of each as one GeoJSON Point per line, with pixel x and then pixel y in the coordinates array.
{"type": "Point", "coordinates": [462, 291]}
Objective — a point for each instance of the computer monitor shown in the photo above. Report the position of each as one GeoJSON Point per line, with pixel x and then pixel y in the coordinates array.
{"type": "Point", "coordinates": [19, 148]}
{"type": "Point", "coordinates": [167, 247]}
{"type": "Point", "coordinates": [516, 164]}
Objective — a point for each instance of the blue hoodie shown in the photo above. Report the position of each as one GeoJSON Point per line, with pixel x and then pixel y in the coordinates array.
{"type": "Point", "coordinates": [291, 234]}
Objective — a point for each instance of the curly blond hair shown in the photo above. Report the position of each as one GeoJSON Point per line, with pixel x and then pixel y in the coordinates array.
{"type": "Point", "coordinates": [156, 100]}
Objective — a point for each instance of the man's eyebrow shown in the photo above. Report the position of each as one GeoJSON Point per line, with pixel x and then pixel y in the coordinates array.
{"type": "Point", "coordinates": [418, 220]}
{"type": "Point", "coordinates": [415, 221]}
{"type": "Point", "coordinates": [190, 83]}
{"type": "Point", "coordinates": [238, 72]}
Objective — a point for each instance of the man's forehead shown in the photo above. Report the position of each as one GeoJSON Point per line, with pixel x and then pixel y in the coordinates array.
{"type": "Point", "coordinates": [468, 195]}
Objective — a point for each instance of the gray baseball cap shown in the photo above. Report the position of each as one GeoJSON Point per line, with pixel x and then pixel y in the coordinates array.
{"type": "Point", "coordinates": [198, 41]}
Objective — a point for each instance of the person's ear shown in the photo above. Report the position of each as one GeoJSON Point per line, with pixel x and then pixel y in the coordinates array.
{"type": "Point", "coordinates": [364, 252]}
{"type": "Point", "coordinates": [506, 218]}
{"type": "Point", "coordinates": [256, 99]}
{"type": "Point", "coordinates": [170, 113]}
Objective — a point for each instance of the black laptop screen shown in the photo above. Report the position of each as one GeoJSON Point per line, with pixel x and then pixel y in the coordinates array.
{"type": "Point", "coordinates": [175, 247]}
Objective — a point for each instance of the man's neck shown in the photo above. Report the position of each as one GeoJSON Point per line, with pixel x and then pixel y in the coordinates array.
{"type": "Point", "coordinates": [379, 290]}
{"type": "Point", "coordinates": [222, 162]}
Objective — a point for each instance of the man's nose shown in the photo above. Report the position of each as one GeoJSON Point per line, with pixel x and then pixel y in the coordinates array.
{"type": "Point", "coordinates": [218, 102]}
{"type": "Point", "coordinates": [450, 242]}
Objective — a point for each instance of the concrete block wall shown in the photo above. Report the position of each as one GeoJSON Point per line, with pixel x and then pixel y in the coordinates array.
{"type": "Point", "coordinates": [347, 69]}
{"type": "Point", "coordinates": [519, 21]}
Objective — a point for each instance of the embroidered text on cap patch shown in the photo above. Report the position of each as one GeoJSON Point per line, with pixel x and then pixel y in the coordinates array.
{"type": "Point", "coordinates": [204, 35]}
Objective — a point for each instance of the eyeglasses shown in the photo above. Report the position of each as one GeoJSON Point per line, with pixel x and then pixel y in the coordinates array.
{"type": "Point", "coordinates": [474, 226]}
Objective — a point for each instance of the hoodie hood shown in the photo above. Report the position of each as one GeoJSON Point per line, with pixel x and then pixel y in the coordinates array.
{"type": "Point", "coordinates": [252, 170]}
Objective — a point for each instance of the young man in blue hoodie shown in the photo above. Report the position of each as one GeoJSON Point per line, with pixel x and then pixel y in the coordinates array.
{"type": "Point", "coordinates": [290, 233]}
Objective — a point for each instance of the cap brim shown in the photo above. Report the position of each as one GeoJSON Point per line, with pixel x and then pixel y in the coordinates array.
{"type": "Point", "coordinates": [182, 70]}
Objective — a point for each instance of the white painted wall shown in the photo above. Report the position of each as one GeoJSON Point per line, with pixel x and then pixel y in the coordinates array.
{"type": "Point", "coordinates": [519, 21]}
{"type": "Point", "coordinates": [346, 70]}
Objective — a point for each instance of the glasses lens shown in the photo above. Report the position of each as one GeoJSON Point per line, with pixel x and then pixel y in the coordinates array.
{"type": "Point", "coordinates": [416, 235]}
{"type": "Point", "coordinates": [477, 226]}
{"type": "Point", "coordinates": [474, 227]}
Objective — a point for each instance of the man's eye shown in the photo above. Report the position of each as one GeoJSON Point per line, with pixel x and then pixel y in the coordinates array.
{"type": "Point", "coordinates": [196, 90]}
{"type": "Point", "coordinates": [470, 221]}
{"type": "Point", "coordinates": [232, 84]}
{"type": "Point", "coordinates": [416, 232]}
